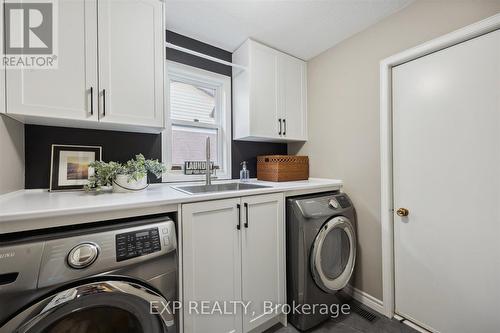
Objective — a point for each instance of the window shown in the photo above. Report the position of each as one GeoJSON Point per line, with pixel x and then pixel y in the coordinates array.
{"type": "Point", "coordinates": [198, 106]}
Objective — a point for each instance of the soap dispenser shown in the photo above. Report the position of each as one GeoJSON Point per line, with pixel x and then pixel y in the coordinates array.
{"type": "Point", "coordinates": [244, 172]}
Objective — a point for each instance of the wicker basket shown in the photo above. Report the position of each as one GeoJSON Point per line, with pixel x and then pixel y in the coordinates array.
{"type": "Point", "coordinates": [282, 168]}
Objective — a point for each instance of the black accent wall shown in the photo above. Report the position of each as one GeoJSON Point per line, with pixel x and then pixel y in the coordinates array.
{"type": "Point", "coordinates": [192, 60]}
{"type": "Point", "coordinates": [122, 146]}
{"type": "Point", "coordinates": [116, 146]}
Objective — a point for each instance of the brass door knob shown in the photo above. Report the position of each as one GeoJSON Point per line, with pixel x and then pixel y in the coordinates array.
{"type": "Point", "coordinates": [402, 212]}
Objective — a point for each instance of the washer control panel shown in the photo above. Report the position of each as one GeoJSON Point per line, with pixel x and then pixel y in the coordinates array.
{"type": "Point", "coordinates": [137, 243]}
{"type": "Point", "coordinates": [104, 249]}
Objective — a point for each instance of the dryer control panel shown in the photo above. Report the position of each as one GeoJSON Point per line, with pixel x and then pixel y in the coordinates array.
{"type": "Point", "coordinates": [343, 201]}
{"type": "Point", "coordinates": [324, 205]}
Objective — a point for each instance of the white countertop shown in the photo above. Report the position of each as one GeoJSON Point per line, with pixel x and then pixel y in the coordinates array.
{"type": "Point", "coordinates": [28, 205]}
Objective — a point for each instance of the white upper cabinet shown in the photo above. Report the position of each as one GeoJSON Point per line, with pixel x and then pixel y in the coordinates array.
{"type": "Point", "coordinates": [270, 96]}
{"type": "Point", "coordinates": [65, 92]}
{"type": "Point", "coordinates": [264, 88]}
{"type": "Point", "coordinates": [131, 48]}
{"type": "Point", "coordinates": [110, 69]}
{"type": "Point", "coordinates": [293, 93]}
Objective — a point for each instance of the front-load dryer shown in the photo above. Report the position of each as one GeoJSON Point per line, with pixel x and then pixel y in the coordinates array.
{"type": "Point", "coordinates": [321, 253]}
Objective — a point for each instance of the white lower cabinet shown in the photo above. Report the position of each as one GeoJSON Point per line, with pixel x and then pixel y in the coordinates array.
{"type": "Point", "coordinates": [211, 262]}
{"type": "Point", "coordinates": [233, 251]}
{"type": "Point", "coordinates": [262, 256]}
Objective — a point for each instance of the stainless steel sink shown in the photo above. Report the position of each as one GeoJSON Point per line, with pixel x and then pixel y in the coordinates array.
{"type": "Point", "coordinates": [196, 189]}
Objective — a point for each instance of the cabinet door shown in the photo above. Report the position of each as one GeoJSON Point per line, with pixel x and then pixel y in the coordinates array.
{"type": "Point", "coordinates": [211, 263]}
{"type": "Point", "coordinates": [131, 49]}
{"type": "Point", "coordinates": [2, 67]}
{"type": "Point", "coordinates": [64, 92]}
{"type": "Point", "coordinates": [264, 91]}
{"type": "Point", "coordinates": [293, 97]}
{"type": "Point", "coordinates": [262, 256]}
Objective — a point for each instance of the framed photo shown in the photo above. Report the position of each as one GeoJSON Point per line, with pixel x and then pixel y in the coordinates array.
{"type": "Point", "coordinates": [69, 169]}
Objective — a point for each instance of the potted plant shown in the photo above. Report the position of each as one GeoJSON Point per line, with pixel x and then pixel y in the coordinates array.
{"type": "Point", "coordinates": [129, 177]}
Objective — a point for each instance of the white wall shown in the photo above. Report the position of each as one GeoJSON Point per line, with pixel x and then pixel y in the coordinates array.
{"type": "Point", "coordinates": [11, 155]}
{"type": "Point", "coordinates": [343, 107]}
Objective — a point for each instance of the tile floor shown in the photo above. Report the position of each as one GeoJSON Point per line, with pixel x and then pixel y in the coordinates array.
{"type": "Point", "coordinates": [352, 323]}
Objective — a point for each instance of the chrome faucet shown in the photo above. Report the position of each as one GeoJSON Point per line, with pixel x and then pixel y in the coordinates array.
{"type": "Point", "coordinates": [208, 168]}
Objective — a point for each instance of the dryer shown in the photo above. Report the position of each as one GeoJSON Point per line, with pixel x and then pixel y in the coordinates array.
{"type": "Point", "coordinates": [321, 254]}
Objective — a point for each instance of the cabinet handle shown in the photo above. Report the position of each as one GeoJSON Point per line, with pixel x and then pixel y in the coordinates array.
{"type": "Point", "coordinates": [246, 215]}
{"type": "Point", "coordinates": [238, 207]}
{"type": "Point", "coordinates": [91, 101]}
{"type": "Point", "coordinates": [104, 102]}
{"type": "Point", "coordinates": [279, 120]}
{"type": "Point", "coordinates": [284, 126]}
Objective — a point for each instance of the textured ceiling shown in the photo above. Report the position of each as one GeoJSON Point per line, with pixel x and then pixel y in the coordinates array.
{"type": "Point", "coordinates": [302, 28]}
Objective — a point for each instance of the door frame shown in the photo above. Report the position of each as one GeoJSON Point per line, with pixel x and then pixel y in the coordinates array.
{"type": "Point", "coordinates": [386, 129]}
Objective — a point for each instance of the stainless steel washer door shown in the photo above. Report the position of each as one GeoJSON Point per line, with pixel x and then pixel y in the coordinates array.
{"type": "Point", "coordinates": [98, 307]}
{"type": "Point", "coordinates": [333, 254]}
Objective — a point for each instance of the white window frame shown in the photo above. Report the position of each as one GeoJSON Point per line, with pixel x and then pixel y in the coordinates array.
{"type": "Point", "coordinates": [222, 85]}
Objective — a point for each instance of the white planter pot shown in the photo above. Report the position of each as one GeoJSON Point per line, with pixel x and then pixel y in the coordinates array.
{"type": "Point", "coordinates": [122, 184]}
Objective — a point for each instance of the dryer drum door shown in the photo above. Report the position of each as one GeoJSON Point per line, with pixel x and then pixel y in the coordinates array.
{"type": "Point", "coordinates": [105, 306]}
{"type": "Point", "coordinates": [333, 254]}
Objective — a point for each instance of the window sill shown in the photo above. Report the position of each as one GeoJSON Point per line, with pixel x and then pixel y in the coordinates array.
{"type": "Point", "coordinates": [176, 178]}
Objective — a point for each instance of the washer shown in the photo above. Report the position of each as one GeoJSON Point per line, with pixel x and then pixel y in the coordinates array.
{"type": "Point", "coordinates": [118, 277]}
{"type": "Point", "coordinates": [321, 253]}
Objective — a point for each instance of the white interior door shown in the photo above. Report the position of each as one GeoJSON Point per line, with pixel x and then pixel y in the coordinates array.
{"type": "Point", "coordinates": [64, 92]}
{"type": "Point", "coordinates": [131, 62]}
{"type": "Point", "coordinates": [262, 257]}
{"type": "Point", "coordinates": [446, 118]}
{"type": "Point", "coordinates": [211, 264]}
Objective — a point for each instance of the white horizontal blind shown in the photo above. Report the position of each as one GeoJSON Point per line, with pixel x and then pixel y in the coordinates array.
{"type": "Point", "coordinates": [188, 144]}
{"type": "Point", "coordinates": [192, 103]}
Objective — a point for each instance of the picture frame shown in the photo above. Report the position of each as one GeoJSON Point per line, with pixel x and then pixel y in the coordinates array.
{"type": "Point", "coordinates": [69, 170]}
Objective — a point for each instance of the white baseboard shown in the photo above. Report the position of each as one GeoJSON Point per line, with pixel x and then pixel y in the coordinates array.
{"type": "Point", "coordinates": [367, 300]}
{"type": "Point", "coordinates": [415, 326]}
{"type": "Point", "coordinates": [378, 306]}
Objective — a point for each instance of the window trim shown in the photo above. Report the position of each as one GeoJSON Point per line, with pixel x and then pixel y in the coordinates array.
{"type": "Point", "coordinates": [222, 84]}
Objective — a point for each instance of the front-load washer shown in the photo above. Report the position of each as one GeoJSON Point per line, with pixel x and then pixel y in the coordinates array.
{"type": "Point", "coordinates": [321, 253]}
{"type": "Point", "coordinates": [119, 276]}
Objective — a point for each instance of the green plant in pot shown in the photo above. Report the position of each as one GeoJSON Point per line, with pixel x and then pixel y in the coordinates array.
{"type": "Point", "coordinates": [128, 177]}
